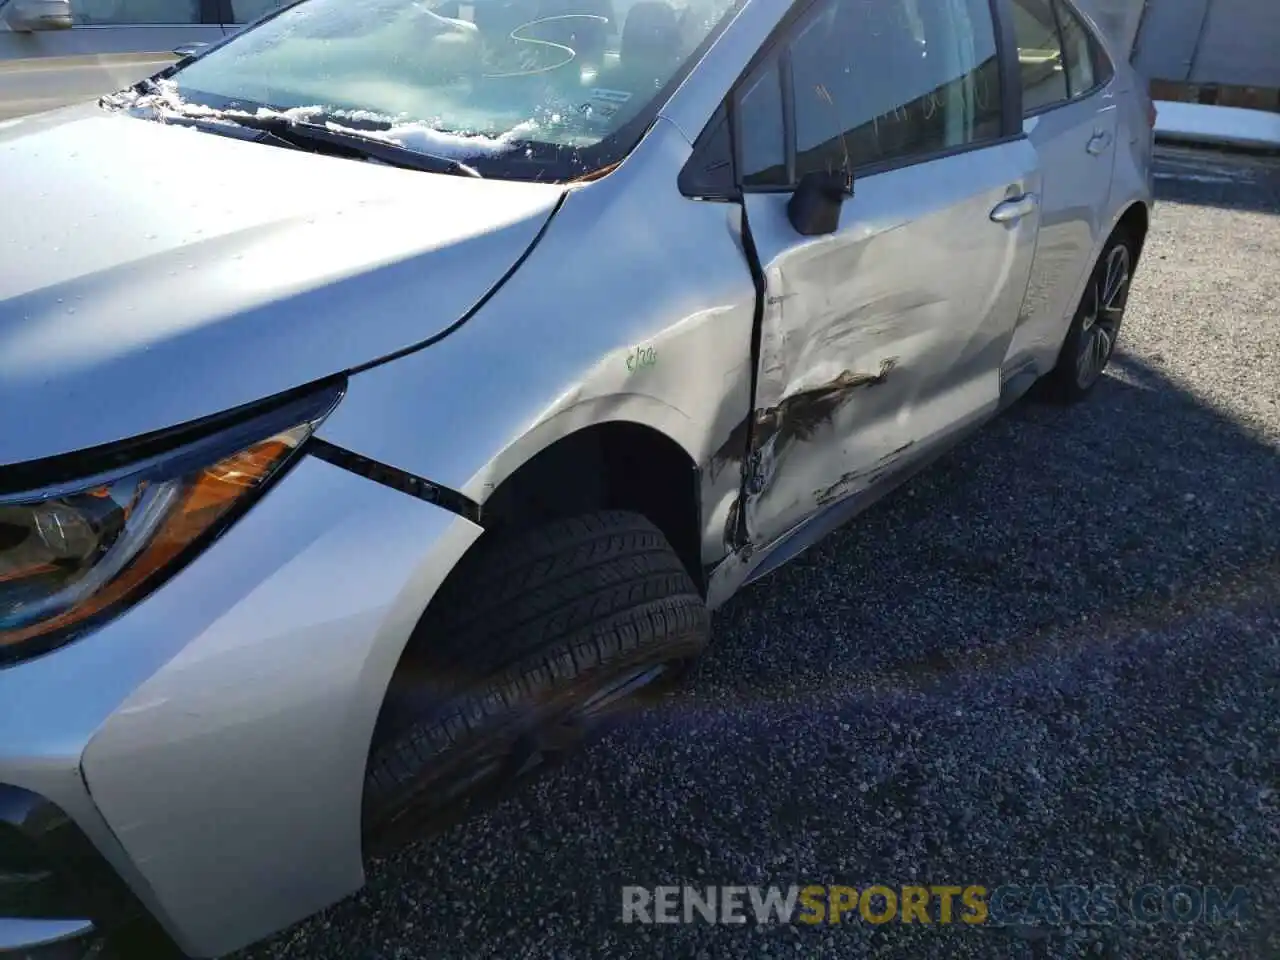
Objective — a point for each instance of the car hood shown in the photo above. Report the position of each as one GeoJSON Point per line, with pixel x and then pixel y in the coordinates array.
{"type": "Point", "coordinates": [151, 275]}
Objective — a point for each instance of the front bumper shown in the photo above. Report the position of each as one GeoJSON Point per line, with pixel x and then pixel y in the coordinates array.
{"type": "Point", "coordinates": [209, 744]}
{"type": "Point", "coordinates": [57, 893]}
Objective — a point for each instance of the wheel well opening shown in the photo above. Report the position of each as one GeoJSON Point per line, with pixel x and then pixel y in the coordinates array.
{"type": "Point", "coordinates": [1136, 221]}
{"type": "Point", "coordinates": [614, 466]}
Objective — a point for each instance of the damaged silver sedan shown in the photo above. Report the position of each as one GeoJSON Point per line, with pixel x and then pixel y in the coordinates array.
{"type": "Point", "coordinates": [389, 392]}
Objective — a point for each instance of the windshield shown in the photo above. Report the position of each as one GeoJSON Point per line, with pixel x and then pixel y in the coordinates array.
{"type": "Point", "coordinates": [536, 88]}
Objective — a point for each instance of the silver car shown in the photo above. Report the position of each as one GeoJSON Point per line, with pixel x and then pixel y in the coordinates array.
{"type": "Point", "coordinates": [388, 393]}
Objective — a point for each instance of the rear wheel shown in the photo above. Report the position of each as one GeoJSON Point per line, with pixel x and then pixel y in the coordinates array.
{"type": "Point", "coordinates": [1091, 340]}
{"type": "Point", "coordinates": [537, 640]}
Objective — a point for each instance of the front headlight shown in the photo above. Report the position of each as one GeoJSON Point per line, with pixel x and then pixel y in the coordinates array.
{"type": "Point", "coordinates": [75, 552]}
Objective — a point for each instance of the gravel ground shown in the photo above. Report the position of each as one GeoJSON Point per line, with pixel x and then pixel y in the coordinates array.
{"type": "Point", "coordinates": [1053, 658]}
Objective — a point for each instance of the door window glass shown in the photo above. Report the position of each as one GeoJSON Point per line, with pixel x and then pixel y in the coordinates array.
{"type": "Point", "coordinates": [892, 80]}
{"type": "Point", "coordinates": [101, 12]}
{"type": "Point", "coordinates": [1077, 49]}
{"type": "Point", "coordinates": [1044, 82]}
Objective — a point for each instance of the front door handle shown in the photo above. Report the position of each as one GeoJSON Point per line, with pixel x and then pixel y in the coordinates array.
{"type": "Point", "coordinates": [1011, 211]}
{"type": "Point", "coordinates": [1098, 142]}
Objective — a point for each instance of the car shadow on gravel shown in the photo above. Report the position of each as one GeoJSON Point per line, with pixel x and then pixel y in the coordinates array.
{"type": "Point", "coordinates": [1136, 504]}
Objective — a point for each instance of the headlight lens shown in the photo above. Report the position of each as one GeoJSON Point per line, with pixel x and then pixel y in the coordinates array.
{"type": "Point", "coordinates": [75, 552]}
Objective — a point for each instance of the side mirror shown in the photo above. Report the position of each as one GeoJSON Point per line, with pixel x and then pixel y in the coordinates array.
{"type": "Point", "coordinates": [26, 16]}
{"type": "Point", "coordinates": [814, 209]}
{"type": "Point", "coordinates": [188, 52]}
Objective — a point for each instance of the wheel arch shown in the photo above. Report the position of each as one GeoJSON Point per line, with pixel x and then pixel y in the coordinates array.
{"type": "Point", "coordinates": [1134, 216]}
{"type": "Point", "coordinates": [1135, 220]}
{"type": "Point", "coordinates": [610, 465]}
{"type": "Point", "coordinates": [615, 464]}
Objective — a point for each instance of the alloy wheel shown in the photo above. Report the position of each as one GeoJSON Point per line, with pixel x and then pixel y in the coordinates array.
{"type": "Point", "coordinates": [1104, 309]}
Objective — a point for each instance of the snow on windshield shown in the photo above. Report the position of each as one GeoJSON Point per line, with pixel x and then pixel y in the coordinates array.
{"type": "Point", "coordinates": [457, 78]}
{"type": "Point", "coordinates": [162, 100]}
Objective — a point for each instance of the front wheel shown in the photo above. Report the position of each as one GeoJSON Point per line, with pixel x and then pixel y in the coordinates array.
{"type": "Point", "coordinates": [536, 638]}
{"type": "Point", "coordinates": [1091, 339]}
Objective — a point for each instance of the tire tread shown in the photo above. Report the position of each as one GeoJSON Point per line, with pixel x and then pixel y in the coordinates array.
{"type": "Point", "coordinates": [528, 613]}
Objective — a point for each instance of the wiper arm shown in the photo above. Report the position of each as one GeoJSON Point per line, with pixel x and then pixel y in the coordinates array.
{"type": "Point", "coordinates": [319, 136]}
{"type": "Point", "coordinates": [226, 128]}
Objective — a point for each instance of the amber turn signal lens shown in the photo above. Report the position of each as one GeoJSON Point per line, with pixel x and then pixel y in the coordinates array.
{"type": "Point", "coordinates": [64, 561]}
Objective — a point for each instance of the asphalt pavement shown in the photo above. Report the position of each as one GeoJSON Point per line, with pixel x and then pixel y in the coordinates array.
{"type": "Point", "coordinates": [1052, 659]}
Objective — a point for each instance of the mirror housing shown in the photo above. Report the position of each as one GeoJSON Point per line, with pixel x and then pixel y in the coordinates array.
{"type": "Point", "coordinates": [814, 208]}
{"type": "Point", "coordinates": [27, 16]}
{"type": "Point", "coordinates": [188, 52]}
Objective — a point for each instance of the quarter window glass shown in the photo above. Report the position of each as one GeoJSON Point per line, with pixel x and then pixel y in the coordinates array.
{"type": "Point", "coordinates": [891, 80]}
{"type": "Point", "coordinates": [1044, 82]}
{"type": "Point", "coordinates": [1077, 48]}
{"type": "Point", "coordinates": [764, 157]}
{"type": "Point", "coordinates": [98, 12]}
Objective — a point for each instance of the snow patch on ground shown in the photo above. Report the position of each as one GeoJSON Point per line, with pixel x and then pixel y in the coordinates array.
{"type": "Point", "coordinates": [1204, 123]}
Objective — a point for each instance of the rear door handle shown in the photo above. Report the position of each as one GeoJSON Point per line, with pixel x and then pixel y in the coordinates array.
{"type": "Point", "coordinates": [1011, 211]}
{"type": "Point", "coordinates": [1098, 142]}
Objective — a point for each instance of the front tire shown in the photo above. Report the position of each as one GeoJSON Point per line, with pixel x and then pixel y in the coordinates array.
{"type": "Point", "coordinates": [1091, 339]}
{"type": "Point", "coordinates": [535, 640]}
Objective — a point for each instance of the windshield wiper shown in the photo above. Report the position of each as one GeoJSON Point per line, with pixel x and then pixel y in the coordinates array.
{"type": "Point", "coordinates": [286, 131]}
{"type": "Point", "coordinates": [327, 139]}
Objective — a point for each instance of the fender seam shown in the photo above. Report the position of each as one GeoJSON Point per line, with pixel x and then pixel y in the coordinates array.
{"type": "Point", "coordinates": [395, 478]}
{"type": "Point", "coordinates": [476, 307]}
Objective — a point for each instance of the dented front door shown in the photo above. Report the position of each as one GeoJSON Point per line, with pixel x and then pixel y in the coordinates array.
{"type": "Point", "coordinates": [882, 342]}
